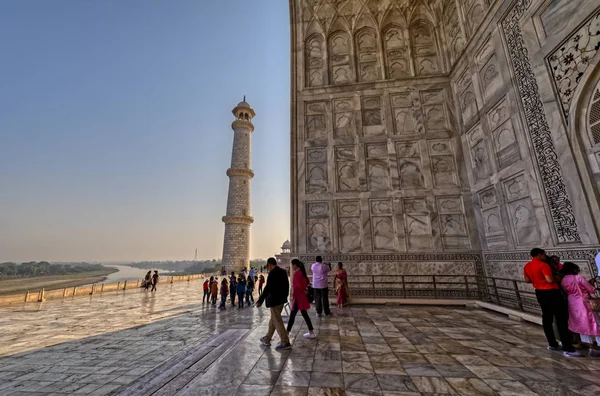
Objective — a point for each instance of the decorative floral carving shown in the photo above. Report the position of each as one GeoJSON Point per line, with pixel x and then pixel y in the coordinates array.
{"type": "Point", "coordinates": [570, 61]}
{"type": "Point", "coordinates": [561, 209]}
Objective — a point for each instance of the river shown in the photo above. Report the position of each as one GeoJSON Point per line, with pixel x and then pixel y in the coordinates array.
{"type": "Point", "coordinates": [127, 273]}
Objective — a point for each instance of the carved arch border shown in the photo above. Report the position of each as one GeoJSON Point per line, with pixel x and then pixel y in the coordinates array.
{"type": "Point", "coordinates": [579, 135]}
{"type": "Point", "coordinates": [557, 197]}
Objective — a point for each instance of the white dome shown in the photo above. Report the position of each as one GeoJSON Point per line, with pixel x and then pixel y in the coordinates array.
{"type": "Point", "coordinates": [286, 245]}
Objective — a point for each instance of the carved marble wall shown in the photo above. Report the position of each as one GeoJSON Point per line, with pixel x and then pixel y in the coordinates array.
{"type": "Point", "coordinates": [448, 127]}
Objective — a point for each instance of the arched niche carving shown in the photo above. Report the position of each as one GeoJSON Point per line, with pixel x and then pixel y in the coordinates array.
{"type": "Point", "coordinates": [340, 69]}
{"type": "Point", "coordinates": [424, 48]}
{"type": "Point", "coordinates": [454, 33]}
{"type": "Point", "coordinates": [315, 60]}
{"type": "Point", "coordinates": [584, 134]}
{"type": "Point", "coordinates": [367, 55]}
{"type": "Point", "coordinates": [397, 58]}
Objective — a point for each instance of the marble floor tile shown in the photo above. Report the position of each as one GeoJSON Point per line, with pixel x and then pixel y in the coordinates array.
{"type": "Point", "coordinates": [361, 382]}
{"type": "Point", "coordinates": [510, 388]}
{"type": "Point", "coordinates": [326, 392]}
{"type": "Point", "coordinates": [327, 366]}
{"type": "Point", "coordinates": [388, 368]}
{"type": "Point", "coordinates": [411, 358]}
{"type": "Point", "coordinates": [294, 378]}
{"type": "Point", "coordinates": [326, 380]}
{"type": "Point", "coordinates": [421, 370]}
{"type": "Point", "coordinates": [260, 376]}
{"type": "Point", "coordinates": [289, 391]}
{"type": "Point", "coordinates": [357, 367]}
{"type": "Point", "coordinates": [470, 386]}
{"type": "Point", "coordinates": [455, 370]}
{"type": "Point", "coordinates": [299, 364]}
{"type": "Point", "coordinates": [246, 390]}
{"type": "Point", "coordinates": [432, 385]}
{"type": "Point", "coordinates": [489, 372]}
{"type": "Point", "coordinates": [396, 383]}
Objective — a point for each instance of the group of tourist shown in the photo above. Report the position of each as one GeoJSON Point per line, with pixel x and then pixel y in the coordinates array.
{"type": "Point", "coordinates": [565, 298]}
{"type": "Point", "coordinates": [275, 296]}
{"type": "Point", "coordinates": [241, 286]}
{"type": "Point", "coordinates": [150, 281]}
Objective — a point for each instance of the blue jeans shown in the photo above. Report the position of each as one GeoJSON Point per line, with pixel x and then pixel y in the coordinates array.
{"type": "Point", "coordinates": [223, 299]}
{"type": "Point", "coordinates": [241, 300]}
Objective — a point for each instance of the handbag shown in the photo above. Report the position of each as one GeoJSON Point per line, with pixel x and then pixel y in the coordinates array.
{"type": "Point", "coordinates": [310, 294]}
{"type": "Point", "coordinates": [593, 304]}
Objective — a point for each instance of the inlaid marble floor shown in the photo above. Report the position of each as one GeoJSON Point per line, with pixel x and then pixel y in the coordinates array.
{"type": "Point", "coordinates": [169, 344]}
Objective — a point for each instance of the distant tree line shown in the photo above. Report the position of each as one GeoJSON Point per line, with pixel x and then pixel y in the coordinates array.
{"type": "Point", "coordinates": [44, 268]}
{"type": "Point", "coordinates": [190, 267]}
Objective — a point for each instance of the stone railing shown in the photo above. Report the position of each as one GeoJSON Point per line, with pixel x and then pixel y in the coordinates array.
{"type": "Point", "coordinates": [43, 295]}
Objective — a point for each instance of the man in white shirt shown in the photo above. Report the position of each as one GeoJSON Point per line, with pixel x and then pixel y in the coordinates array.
{"type": "Point", "coordinates": [320, 272]}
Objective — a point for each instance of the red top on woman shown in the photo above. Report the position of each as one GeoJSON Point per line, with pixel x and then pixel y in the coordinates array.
{"type": "Point", "coordinates": [299, 285]}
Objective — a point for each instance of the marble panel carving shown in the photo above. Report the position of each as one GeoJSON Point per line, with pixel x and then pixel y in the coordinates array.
{"type": "Point", "coordinates": [350, 235]}
{"type": "Point", "coordinates": [316, 171]}
{"type": "Point", "coordinates": [498, 114]}
{"type": "Point", "coordinates": [340, 58]}
{"type": "Point", "coordinates": [480, 161]}
{"type": "Point", "coordinates": [377, 175]}
{"type": "Point", "coordinates": [454, 231]}
{"type": "Point", "coordinates": [315, 63]}
{"type": "Point", "coordinates": [347, 175]}
{"type": "Point", "coordinates": [493, 228]}
{"type": "Point", "coordinates": [317, 209]}
{"type": "Point", "coordinates": [346, 168]}
{"type": "Point", "coordinates": [318, 236]}
{"type": "Point", "coordinates": [348, 208]}
{"type": "Point", "coordinates": [418, 231]}
{"type": "Point", "coordinates": [415, 206]}
{"type": "Point", "coordinates": [435, 118]}
{"type": "Point", "coordinates": [372, 116]}
{"type": "Point", "coordinates": [376, 150]}
{"type": "Point", "coordinates": [468, 103]}
{"type": "Point", "coordinates": [520, 209]}
{"type": "Point", "coordinates": [366, 47]}
{"type": "Point", "coordinates": [343, 118]}
{"type": "Point", "coordinates": [506, 146]}
{"type": "Point", "coordinates": [450, 205]}
{"type": "Point", "coordinates": [424, 48]}
{"type": "Point", "coordinates": [315, 120]}
{"type": "Point", "coordinates": [444, 171]}
{"type": "Point", "coordinates": [488, 198]}
{"type": "Point", "coordinates": [383, 234]}
{"type": "Point", "coordinates": [381, 207]}
{"type": "Point", "coordinates": [396, 52]}
{"type": "Point", "coordinates": [490, 77]}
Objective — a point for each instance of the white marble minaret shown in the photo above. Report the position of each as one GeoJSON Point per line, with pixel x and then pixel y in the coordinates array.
{"type": "Point", "coordinates": [236, 246]}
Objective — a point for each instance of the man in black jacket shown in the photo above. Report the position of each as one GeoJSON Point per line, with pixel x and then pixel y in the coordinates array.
{"type": "Point", "coordinates": [275, 294]}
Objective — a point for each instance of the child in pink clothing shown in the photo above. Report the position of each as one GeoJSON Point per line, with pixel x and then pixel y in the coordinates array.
{"type": "Point", "coordinates": [581, 319]}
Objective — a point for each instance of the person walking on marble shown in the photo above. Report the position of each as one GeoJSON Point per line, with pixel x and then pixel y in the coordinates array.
{"type": "Point", "coordinates": [261, 282]}
{"type": "Point", "coordinates": [275, 296]}
{"type": "Point", "coordinates": [539, 274]}
{"type": "Point", "coordinates": [582, 319]}
{"type": "Point", "coordinates": [148, 280]}
{"type": "Point", "coordinates": [214, 291]}
{"type": "Point", "coordinates": [224, 293]}
{"type": "Point", "coordinates": [232, 288]}
{"type": "Point", "coordinates": [250, 290]}
{"type": "Point", "coordinates": [206, 290]}
{"type": "Point", "coordinates": [320, 272]}
{"type": "Point", "coordinates": [154, 281]}
{"type": "Point", "coordinates": [299, 299]}
{"type": "Point", "coordinates": [240, 288]}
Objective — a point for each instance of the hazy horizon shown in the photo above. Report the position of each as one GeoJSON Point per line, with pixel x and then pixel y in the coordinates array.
{"type": "Point", "coordinates": [115, 122]}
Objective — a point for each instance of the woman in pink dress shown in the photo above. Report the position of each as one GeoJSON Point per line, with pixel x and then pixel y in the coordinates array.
{"type": "Point", "coordinates": [299, 300]}
{"type": "Point", "coordinates": [340, 282]}
{"type": "Point", "coordinates": [581, 319]}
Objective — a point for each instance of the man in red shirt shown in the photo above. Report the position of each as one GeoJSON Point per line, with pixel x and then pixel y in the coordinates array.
{"type": "Point", "coordinates": [539, 273]}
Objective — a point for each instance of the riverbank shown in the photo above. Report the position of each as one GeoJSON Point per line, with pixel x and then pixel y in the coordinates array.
{"type": "Point", "coordinates": [34, 284]}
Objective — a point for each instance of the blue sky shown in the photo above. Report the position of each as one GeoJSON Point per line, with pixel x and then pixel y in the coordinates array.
{"type": "Point", "coordinates": [115, 126]}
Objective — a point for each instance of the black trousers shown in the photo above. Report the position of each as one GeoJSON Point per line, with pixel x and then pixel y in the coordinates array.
{"type": "Point", "coordinates": [554, 306]}
{"type": "Point", "coordinates": [322, 301]}
{"type": "Point", "coordinates": [206, 296]}
{"type": "Point", "coordinates": [293, 318]}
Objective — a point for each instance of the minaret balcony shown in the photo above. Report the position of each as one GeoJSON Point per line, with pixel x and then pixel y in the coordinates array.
{"type": "Point", "coordinates": [242, 124]}
{"type": "Point", "coordinates": [240, 172]}
{"type": "Point", "coordinates": [238, 220]}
